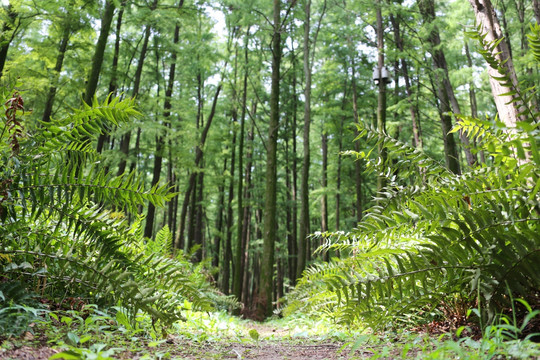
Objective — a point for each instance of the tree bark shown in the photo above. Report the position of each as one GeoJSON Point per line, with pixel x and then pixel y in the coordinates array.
{"type": "Point", "coordinates": [5, 41]}
{"type": "Point", "coordinates": [99, 52]}
{"type": "Point", "coordinates": [536, 9]}
{"type": "Point", "coordinates": [357, 164]}
{"type": "Point", "coordinates": [219, 225]}
{"type": "Point", "coordinates": [445, 93]}
{"type": "Point", "coordinates": [507, 109]}
{"type": "Point", "coordinates": [113, 84]}
{"type": "Point", "coordinates": [126, 139]}
{"type": "Point", "coordinates": [244, 265]}
{"type": "Point", "coordinates": [179, 241]}
{"type": "Point", "coordinates": [417, 133]}
{"type": "Point", "coordinates": [304, 190]}
{"type": "Point", "coordinates": [270, 210]}
{"type": "Point", "coordinates": [239, 258]}
{"type": "Point", "coordinates": [381, 100]}
{"type": "Point", "coordinates": [158, 155]}
{"type": "Point", "coordinates": [56, 73]}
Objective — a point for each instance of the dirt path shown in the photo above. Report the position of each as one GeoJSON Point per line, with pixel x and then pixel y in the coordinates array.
{"type": "Point", "coordinates": [273, 343]}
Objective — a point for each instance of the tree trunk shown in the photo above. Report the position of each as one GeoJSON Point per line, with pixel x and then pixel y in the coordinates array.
{"type": "Point", "coordinates": [536, 8]}
{"type": "Point", "coordinates": [417, 133]}
{"type": "Point", "coordinates": [444, 92]}
{"type": "Point", "coordinates": [270, 210]}
{"type": "Point", "coordinates": [179, 241]}
{"type": "Point", "coordinates": [507, 108]}
{"type": "Point", "coordinates": [304, 185]}
{"type": "Point", "coordinates": [244, 265]}
{"type": "Point", "coordinates": [5, 41]}
{"type": "Point", "coordinates": [239, 267]}
{"type": "Point", "coordinates": [324, 199]}
{"type": "Point", "coordinates": [472, 97]}
{"type": "Point", "coordinates": [381, 100]}
{"type": "Point", "coordinates": [357, 164]}
{"type": "Point", "coordinates": [219, 225]}
{"type": "Point", "coordinates": [56, 73]}
{"type": "Point", "coordinates": [230, 219]}
{"type": "Point", "coordinates": [126, 139]}
{"type": "Point", "coordinates": [113, 84]}
{"type": "Point", "coordinates": [158, 155]}
{"type": "Point", "coordinates": [99, 52]}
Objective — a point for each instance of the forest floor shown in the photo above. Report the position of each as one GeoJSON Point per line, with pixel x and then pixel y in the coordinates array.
{"type": "Point", "coordinates": [205, 336]}
{"type": "Point", "coordinates": [220, 336]}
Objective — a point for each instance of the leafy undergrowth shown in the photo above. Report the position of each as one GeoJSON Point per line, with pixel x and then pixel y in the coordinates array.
{"type": "Point", "coordinates": [91, 333]}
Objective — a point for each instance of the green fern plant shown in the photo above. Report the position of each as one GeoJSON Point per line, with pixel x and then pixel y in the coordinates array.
{"type": "Point", "coordinates": [62, 216]}
{"type": "Point", "coordinates": [435, 238]}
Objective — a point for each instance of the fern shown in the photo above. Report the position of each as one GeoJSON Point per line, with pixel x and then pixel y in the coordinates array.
{"type": "Point", "coordinates": [58, 233]}
{"type": "Point", "coordinates": [435, 237]}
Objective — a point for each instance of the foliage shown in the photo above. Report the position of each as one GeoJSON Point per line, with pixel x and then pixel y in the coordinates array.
{"type": "Point", "coordinates": [437, 242]}
{"type": "Point", "coordinates": [64, 217]}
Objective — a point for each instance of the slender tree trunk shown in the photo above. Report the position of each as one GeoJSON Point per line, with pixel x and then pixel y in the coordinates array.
{"type": "Point", "coordinates": [126, 139]}
{"type": "Point", "coordinates": [113, 84]}
{"type": "Point", "coordinates": [270, 210]}
{"type": "Point", "coordinates": [472, 97]}
{"type": "Point", "coordinates": [179, 241]}
{"type": "Point", "coordinates": [47, 112]}
{"type": "Point", "coordinates": [536, 9]}
{"type": "Point", "coordinates": [444, 91]}
{"type": "Point", "coordinates": [338, 170]}
{"type": "Point", "coordinates": [381, 100]}
{"type": "Point", "coordinates": [239, 268]}
{"type": "Point", "coordinates": [158, 155]}
{"type": "Point", "coordinates": [304, 184]}
{"type": "Point", "coordinates": [357, 164]}
{"type": "Point", "coordinates": [293, 246]}
{"type": "Point", "coordinates": [324, 199]}
{"type": "Point", "coordinates": [417, 134]}
{"type": "Point", "coordinates": [219, 224]}
{"type": "Point", "coordinates": [230, 218]}
{"type": "Point", "coordinates": [99, 52]}
{"type": "Point", "coordinates": [244, 265]}
{"type": "Point", "coordinates": [198, 235]}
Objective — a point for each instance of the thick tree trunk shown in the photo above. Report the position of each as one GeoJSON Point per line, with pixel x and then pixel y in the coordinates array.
{"type": "Point", "coordinates": [270, 210]}
{"type": "Point", "coordinates": [5, 40]}
{"type": "Point", "coordinates": [508, 109]}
